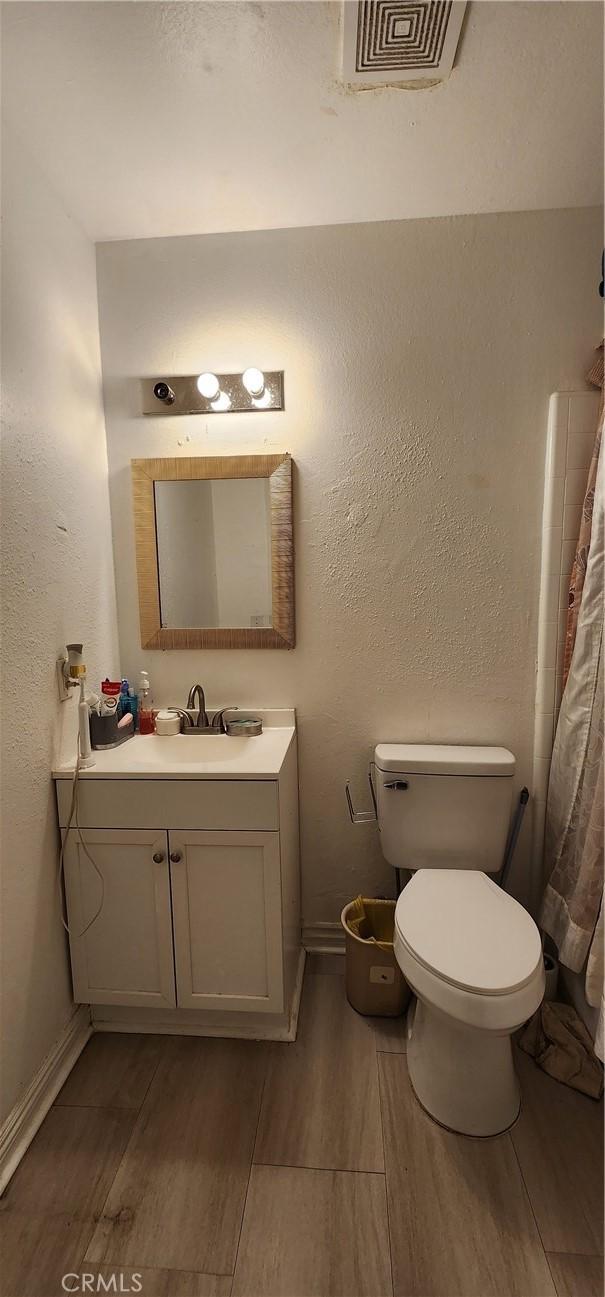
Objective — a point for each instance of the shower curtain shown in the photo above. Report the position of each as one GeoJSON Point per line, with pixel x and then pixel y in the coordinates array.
{"type": "Point", "coordinates": [572, 907]}
{"type": "Point", "coordinates": [578, 574]}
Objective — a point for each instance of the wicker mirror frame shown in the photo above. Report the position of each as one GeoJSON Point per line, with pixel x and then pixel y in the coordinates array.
{"type": "Point", "coordinates": [278, 469]}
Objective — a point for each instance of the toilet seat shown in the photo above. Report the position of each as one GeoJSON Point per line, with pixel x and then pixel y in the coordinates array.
{"type": "Point", "coordinates": [467, 932]}
{"type": "Point", "coordinates": [451, 928]}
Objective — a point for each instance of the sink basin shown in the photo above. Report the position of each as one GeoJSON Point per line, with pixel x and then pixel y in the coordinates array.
{"type": "Point", "coordinates": [189, 748]}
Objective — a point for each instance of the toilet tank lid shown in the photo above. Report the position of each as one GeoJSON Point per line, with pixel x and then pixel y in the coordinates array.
{"type": "Point", "coordinates": [443, 759]}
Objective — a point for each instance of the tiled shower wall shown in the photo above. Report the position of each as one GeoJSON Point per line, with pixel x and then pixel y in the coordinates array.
{"type": "Point", "coordinates": [572, 421]}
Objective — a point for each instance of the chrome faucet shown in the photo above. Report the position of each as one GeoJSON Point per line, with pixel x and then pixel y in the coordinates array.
{"type": "Point", "coordinates": [202, 721]}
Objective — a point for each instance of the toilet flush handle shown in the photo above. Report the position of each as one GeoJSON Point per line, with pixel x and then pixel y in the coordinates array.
{"type": "Point", "coordinates": [399, 785]}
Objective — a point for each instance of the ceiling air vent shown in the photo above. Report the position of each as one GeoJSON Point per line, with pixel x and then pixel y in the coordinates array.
{"type": "Point", "coordinates": [388, 43]}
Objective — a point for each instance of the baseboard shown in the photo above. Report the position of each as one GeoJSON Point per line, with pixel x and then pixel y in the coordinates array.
{"type": "Point", "coordinates": [140, 1027]}
{"type": "Point", "coordinates": [237, 1026]}
{"type": "Point", "coordinates": [27, 1116]}
{"type": "Point", "coordinates": [296, 995]}
{"type": "Point", "coordinates": [326, 937]}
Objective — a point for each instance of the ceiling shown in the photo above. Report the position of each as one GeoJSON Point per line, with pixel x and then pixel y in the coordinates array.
{"type": "Point", "coordinates": [159, 119]}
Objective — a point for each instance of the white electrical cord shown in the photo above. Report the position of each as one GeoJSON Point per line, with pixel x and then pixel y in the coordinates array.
{"type": "Point", "coordinates": [73, 814]}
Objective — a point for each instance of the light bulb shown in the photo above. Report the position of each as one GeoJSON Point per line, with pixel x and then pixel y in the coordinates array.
{"type": "Point", "coordinates": [263, 402]}
{"type": "Point", "coordinates": [254, 381]}
{"type": "Point", "coordinates": [208, 386]}
{"type": "Point", "coordinates": [222, 403]}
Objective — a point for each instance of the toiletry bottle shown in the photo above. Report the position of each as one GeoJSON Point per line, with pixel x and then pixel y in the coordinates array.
{"type": "Point", "coordinates": [133, 706]}
{"type": "Point", "coordinates": [123, 703]}
{"type": "Point", "coordinates": [145, 708]}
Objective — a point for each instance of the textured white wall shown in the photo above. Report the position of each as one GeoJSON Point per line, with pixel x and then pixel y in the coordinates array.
{"type": "Point", "coordinates": [57, 581]}
{"type": "Point", "coordinates": [419, 360]}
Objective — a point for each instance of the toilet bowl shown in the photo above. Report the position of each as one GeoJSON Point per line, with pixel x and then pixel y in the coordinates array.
{"type": "Point", "coordinates": [473, 957]}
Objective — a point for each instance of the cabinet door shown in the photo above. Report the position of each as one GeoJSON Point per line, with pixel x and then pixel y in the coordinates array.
{"type": "Point", "coordinates": [125, 956]}
{"type": "Point", "coordinates": [226, 900]}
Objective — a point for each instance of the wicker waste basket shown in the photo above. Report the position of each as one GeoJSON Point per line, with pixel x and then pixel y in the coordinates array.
{"type": "Point", "coordinates": [375, 984]}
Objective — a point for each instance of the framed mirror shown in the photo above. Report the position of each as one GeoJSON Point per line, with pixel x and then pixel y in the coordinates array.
{"type": "Point", "coordinates": [214, 551]}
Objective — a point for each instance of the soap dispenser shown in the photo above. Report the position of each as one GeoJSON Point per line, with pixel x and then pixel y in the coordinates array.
{"type": "Point", "coordinates": [145, 704]}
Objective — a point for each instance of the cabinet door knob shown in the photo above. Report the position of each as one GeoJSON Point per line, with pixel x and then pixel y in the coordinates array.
{"type": "Point", "coordinates": [158, 857]}
{"type": "Point", "coordinates": [175, 856]}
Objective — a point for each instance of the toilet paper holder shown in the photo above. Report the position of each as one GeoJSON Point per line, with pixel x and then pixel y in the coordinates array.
{"type": "Point", "coordinates": [362, 817]}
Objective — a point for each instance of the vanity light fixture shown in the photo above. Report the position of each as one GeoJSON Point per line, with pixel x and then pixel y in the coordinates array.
{"type": "Point", "coordinates": [209, 393]}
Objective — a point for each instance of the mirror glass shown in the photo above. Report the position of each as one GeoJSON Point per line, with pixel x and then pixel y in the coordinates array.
{"type": "Point", "coordinates": [214, 552]}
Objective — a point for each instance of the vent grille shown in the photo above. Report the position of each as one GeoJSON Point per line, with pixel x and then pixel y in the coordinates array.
{"type": "Point", "coordinates": [387, 42]}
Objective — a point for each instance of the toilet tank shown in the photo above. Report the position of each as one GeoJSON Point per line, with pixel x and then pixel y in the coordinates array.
{"type": "Point", "coordinates": [443, 807]}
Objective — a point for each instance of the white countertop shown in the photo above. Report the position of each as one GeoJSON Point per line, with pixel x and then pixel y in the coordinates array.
{"type": "Point", "coordinates": [205, 756]}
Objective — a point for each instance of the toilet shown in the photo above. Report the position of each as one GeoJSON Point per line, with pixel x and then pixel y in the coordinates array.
{"type": "Point", "coordinates": [471, 954]}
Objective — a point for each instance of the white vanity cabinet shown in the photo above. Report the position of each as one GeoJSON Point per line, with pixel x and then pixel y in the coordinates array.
{"type": "Point", "coordinates": [183, 897]}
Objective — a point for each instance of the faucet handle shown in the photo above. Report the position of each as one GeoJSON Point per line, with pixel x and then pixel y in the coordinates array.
{"type": "Point", "coordinates": [186, 721]}
{"type": "Point", "coordinates": [218, 721]}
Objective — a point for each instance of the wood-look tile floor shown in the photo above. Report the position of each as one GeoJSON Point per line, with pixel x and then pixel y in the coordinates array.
{"type": "Point", "coordinates": [190, 1167]}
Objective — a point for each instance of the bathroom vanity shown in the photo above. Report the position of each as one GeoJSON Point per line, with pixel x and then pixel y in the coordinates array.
{"type": "Point", "coordinates": [186, 850]}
